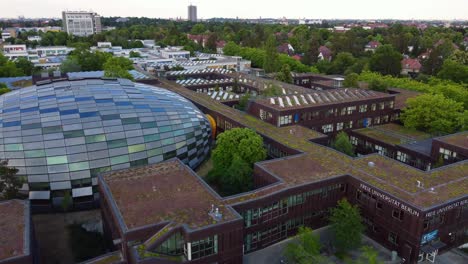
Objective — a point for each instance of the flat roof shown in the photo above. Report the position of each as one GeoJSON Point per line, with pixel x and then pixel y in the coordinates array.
{"type": "Point", "coordinates": [393, 134]}
{"type": "Point", "coordinates": [13, 229]}
{"type": "Point", "coordinates": [402, 95]}
{"type": "Point", "coordinates": [320, 98]}
{"type": "Point", "coordinates": [319, 162]}
{"type": "Point", "coordinates": [458, 139]}
{"type": "Point", "coordinates": [167, 191]}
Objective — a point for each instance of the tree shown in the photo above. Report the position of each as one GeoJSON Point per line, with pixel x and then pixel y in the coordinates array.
{"type": "Point", "coordinates": [285, 74]}
{"type": "Point", "coordinates": [351, 80]}
{"type": "Point", "coordinates": [342, 62]}
{"type": "Point", "coordinates": [90, 61]}
{"type": "Point", "coordinates": [311, 55]}
{"type": "Point", "coordinates": [454, 71]}
{"type": "Point", "coordinates": [272, 90]}
{"type": "Point", "coordinates": [134, 54]}
{"type": "Point", "coordinates": [305, 248]}
{"type": "Point", "coordinates": [346, 225]}
{"type": "Point", "coordinates": [211, 43]}
{"type": "Point", "coordinates": [378, 85]}
{"type": "Point", "coordinates": [70, 65]}
{"type": "Point", "coordinates": [243, 102]}
{"type": "Point", "coordinates": [9, 182]}
{"type": "Point", "coordinates": [434, 62]}
{"type": "Point", "coordinates": [342, 144]}
{"type": "Point", "coordinates": [67, 201]}
{"type": "Point", "coordinates": [386, 60]}
{"type": "Point", "coordinates": [460, 57]}
{"type": "Point", "coordinates": [368, 256]}
{"type": "Point", "coordinates": [433, 113]}
{"type": "Point", "coordinates": [198, 29]}
{"type": "Point", "coordinates": [25, 65]}
{"type": "Point", "coordinates": [117, 67]}
{"type": "Point", "coordinates": [271, 63]}
{"type": "Point", "coordinates": [4, 90]}
{"type": "Point", "coordinates": [233, 158]}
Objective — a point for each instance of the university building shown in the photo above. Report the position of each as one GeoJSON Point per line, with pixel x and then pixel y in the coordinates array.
{"type": "Point", "coordinates": [417, 213]}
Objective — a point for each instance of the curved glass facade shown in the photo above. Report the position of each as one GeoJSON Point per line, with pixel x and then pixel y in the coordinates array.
{"type": "Point", "coordinates": [61, 135]}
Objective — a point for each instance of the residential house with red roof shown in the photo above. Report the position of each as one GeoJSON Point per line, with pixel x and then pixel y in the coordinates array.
{"type": "Point", "coordinates": [410, 66]}
{"type": "Point", "coordinates": [325, 53]}
{"type": "Point", "coordinates": [372, 46]}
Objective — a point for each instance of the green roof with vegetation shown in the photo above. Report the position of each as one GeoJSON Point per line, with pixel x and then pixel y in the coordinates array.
{"type": "Point", "coordinates": [320, 162]}
{"type": "Point", "coordinates": [393, 134]}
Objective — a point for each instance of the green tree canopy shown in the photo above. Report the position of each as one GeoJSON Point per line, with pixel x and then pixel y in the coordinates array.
{"type": "Point", "coordinates": [134, 54]}
{"type": "Point", "coordinates": [342, 62]}
{"type": "Point", "coordinates": [9, 182]}
{"type": "Point", "coordinates": [198, 29]}
{"type": "Point", "coordinates": [454, 71]}
{"type": "Point", "coordinates": [305, 248]}
{"type": "Point", "coordinates": [434, 114]}
{"type": "Point", "coordinates": [233, 158]}
{"type": "Point", "coordinates": [118, 67]}
{"type": "Point", "coordinates": [351, 80]}
{"type": "Point", "coordinates": [25, 65]}
{"type": "Point", "coordinates": [71, 64]}
{"type": "Point", "coordinates": [378, 85]}
{"type": "Point", "coordinates": [285, 74]}
{"type": "Point", "coordinates": [386, 60]}
{"type": "Point", "coordinates": [346, 224]}
{"type": "Point", "coordinates": [271, 63]}
{"type": "Point", "coordinates": [342, 144]}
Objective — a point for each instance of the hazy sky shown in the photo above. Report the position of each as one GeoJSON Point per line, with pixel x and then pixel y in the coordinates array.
{"type": "Point", "coordinates": [366, 9]}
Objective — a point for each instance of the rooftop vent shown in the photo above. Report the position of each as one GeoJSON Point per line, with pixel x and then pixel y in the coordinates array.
{"type": "Point", "coordinates": [420, 184]}
{"type": "Point", "coordinates": [371, 164]}
{"type": "Point", "coordinates": [215, 214]}
{"type": "Point", "coordinates": [432, 190]}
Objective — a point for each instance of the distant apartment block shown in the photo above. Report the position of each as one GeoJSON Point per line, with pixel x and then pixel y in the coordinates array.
{"type": "Point", "coordinates": [81, 23]}
{"type": "Point", "coordinates": [192, 13]}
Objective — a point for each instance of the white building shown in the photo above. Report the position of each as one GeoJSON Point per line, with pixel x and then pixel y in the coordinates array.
{"type": "Point", "coordinates": [34, 38]}
{"type": "Point", "coordinates": [174, 53]}
{"type": "Point", "coordinates": [81, 23]}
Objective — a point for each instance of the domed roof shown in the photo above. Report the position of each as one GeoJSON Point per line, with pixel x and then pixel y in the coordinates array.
{"type": "Point", "coordinates": [62, 134]}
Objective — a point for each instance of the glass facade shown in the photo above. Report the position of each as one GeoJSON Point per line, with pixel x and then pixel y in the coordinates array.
{"type": "Point", "coordinates": [61, 133]}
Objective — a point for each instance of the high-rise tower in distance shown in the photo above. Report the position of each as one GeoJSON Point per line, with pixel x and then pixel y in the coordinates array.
{"type": "Point", "coordinates": [192, 13]}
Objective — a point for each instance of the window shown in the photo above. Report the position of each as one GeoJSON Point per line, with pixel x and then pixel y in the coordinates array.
{"type": "Point", "coordinates": [362, 108]}
{"type": "Point", "coordinates": [136, 148]}
{"type": "Point", "coordinates": [398, 214]}
{"type": "Point", "coordinates": [377, 120]}
{"type": "Point", "coordinates": [381, 106]}
{"type": "Point", "coordinates": [447, 154]}
{"type": "Point", "coordinates": [350, 110]}
{"type": "Point", "coordinates": [95, 139]}
{"type": "Point", "coordinates": [285, 120]}
{"type": "Point", "coordinates": [57, 160]}
{"type": "Point", "coordinates": [78, 166]}
{"type": "Point", "coordinates": [379, 205]}
{"type": "Point", "coordinates": [353, 140]}
{"type": "Point", "coordinates": [339, 126]}
{"type": "Point", "coordinates": [403, 157]}
{"type": "Point", "coordinates": [263, 114]}
{"type": "Point", "coordinates": [327, 128]}
{"type": "Point", "coordinates": [393, 238]}
{"type": "Point", "coordinates": [373, 107]}
{"type": "Point", "coordinates": [205, 247]}
{"type": "Point", "coordinates": [381, 150]}
{"type": "Point", "coordinates": [174, 245]}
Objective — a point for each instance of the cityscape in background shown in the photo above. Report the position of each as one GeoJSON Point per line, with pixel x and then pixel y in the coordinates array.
{"type": "Point", "coordinates": [227, 140]}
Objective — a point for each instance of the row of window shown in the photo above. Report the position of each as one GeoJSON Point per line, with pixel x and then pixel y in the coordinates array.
{"type": "Point", "coordinates": [276, 209]}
